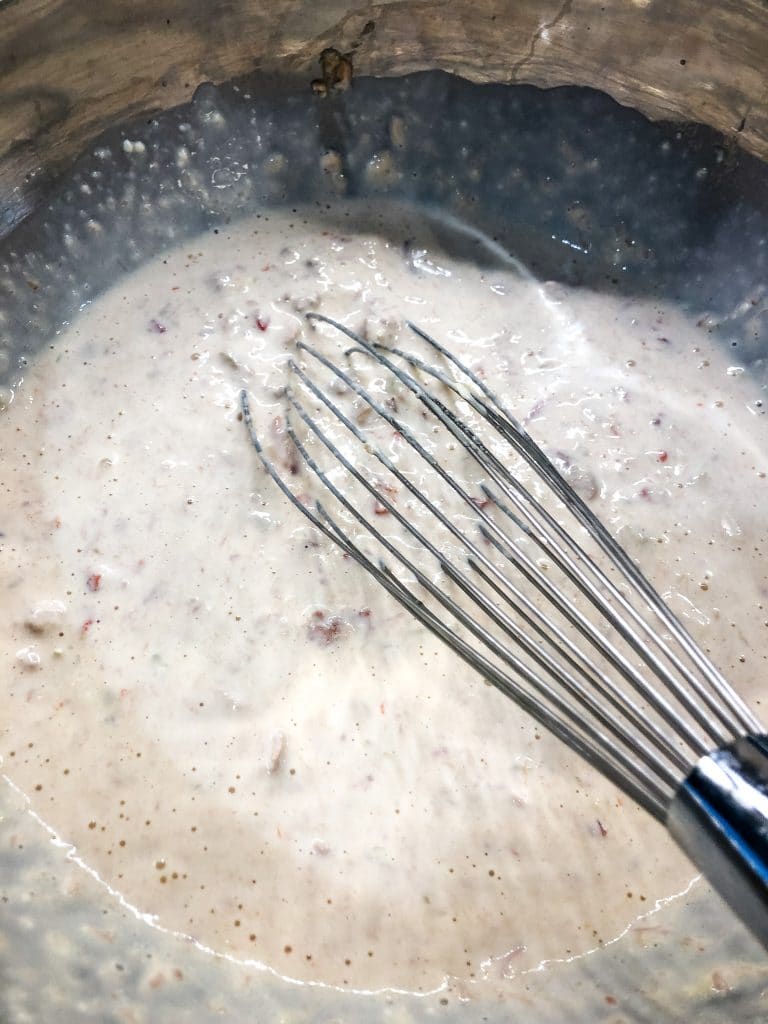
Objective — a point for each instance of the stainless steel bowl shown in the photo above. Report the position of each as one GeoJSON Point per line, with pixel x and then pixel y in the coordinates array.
{"type": "Point", "coordinates": [68, 948]}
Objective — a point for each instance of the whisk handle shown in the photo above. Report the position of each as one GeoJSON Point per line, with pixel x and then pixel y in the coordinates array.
{"type": "Point", "coordinates": [719, 817]}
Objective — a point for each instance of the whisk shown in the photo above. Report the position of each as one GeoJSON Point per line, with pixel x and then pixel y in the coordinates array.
{"type": "Point", "coordinates": [533, 592]}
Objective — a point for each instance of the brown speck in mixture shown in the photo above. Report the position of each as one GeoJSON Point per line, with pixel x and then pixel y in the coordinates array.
{"type": "Point", "coordinates": [91, 824]}
{"type": "Point", "coordinates": [719, 984]}
{"type": "Point", "coordinates": [325, 629]}
{"type": "Point", "coordinates": [288, 949]}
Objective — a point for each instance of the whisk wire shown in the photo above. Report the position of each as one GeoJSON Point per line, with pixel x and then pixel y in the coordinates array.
{"type": "Point", "coordinates": [566, 721]}
{"type": "Point", "coordinates": [544, 626]}
{"type": "Point", "coordinates": [500, 619]}
{"type": "Point", "coordinates": [526, 653]}
{"type": "Point", "coordinates": [510, 428]}
{"type": "Point", "coordinates": [487, 461]}
{"type": "Point", "coordinates": [528, 506]}
{"type": "Point", "coordinates": [720, 707]}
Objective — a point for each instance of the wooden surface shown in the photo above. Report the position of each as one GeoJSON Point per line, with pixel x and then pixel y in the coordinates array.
{"type": "Point", "coordinates": [69, 67]}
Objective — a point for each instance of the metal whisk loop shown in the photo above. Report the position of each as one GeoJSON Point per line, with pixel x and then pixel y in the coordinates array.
{"type": "Point", "coordinates": [541, 624]}
{"type": "Point", "coordinates": [739, 719]}
{"type": "Point", "coordinates": [572, 688]}
{"type": "Point", "coordinates": [723, 696]}
{"type": "Point", "coordinates": [603, 687]}
{"type": "Point", "coordinates": [566, 721]}
{"type": "Point", "coordinates": [557, 617]}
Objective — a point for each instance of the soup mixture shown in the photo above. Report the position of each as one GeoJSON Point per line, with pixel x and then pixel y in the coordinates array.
{"type": "Point", "coordinates": [239, 734]}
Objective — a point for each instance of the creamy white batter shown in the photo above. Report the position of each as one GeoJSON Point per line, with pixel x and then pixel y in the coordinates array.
{"type": "Point", "coordinates": [235, 728]}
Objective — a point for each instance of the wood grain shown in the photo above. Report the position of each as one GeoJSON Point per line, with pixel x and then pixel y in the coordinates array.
{"type": "Point", "coordinates": [70, 67]}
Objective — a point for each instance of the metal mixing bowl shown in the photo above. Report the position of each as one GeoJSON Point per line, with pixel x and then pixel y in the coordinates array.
{"type": "Point", "coordinates": [667, 212]}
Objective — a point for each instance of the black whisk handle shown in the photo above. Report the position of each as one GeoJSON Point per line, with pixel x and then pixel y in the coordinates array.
{"type": "Point", "coordinates": [719, 817]}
